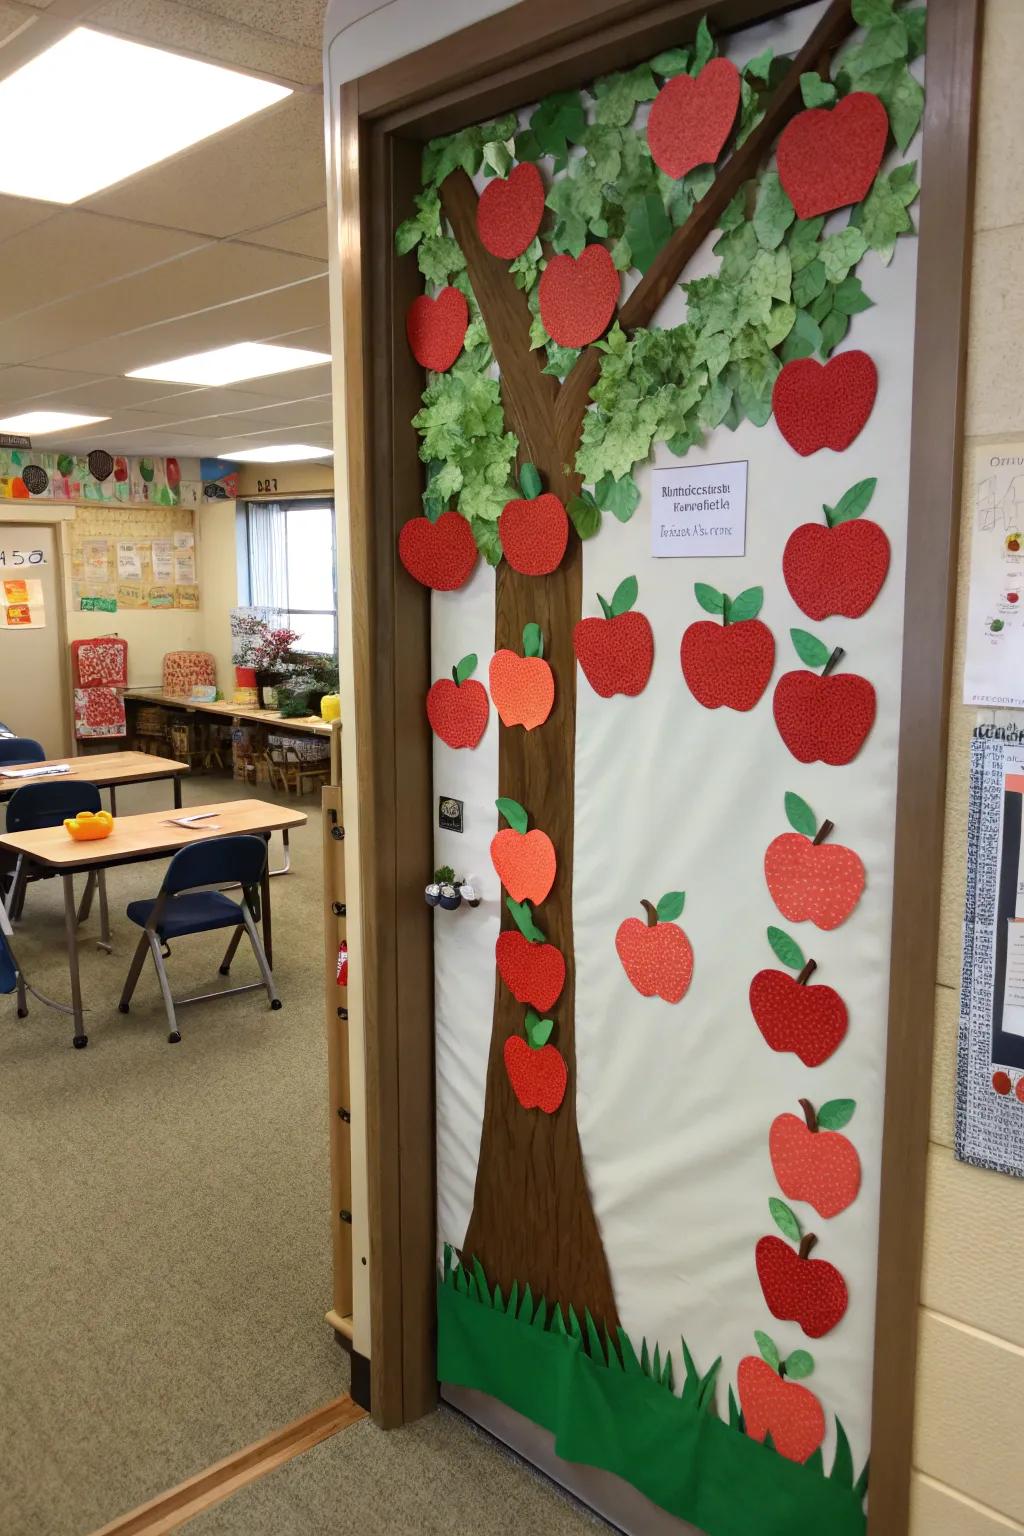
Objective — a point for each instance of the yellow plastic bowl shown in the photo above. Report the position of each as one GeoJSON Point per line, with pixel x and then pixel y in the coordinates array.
{"type": "Point", "coordinates": [330, 707]}
{"type": "Point", "coordinates": [88, 826]}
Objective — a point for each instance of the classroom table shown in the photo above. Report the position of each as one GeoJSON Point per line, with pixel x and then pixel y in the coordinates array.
{"type": "Point", "coordinates": [107, 770]}
{"type": "Point", "coordinates": [138, 839]}
{"type": "Point", "coordinates": [309, 725]}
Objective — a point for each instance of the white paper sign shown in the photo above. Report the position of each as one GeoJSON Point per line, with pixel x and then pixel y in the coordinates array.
{"type": "Point", "coordinates": [699, 509]}
{"type": "Point", "coordinates": [129, 565]}
{"type": "Point", "coordinates": [184, 567]}
{"type": "Point", "coordinates": [183, 538]}
{"type": "Point", "coordinates": [163, 560]}
{"type": "Point", "coordinates": [994, 665]}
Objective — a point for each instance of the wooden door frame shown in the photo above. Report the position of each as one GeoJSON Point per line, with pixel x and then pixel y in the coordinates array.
{"type": "Point", "coordinates": [517, 56]}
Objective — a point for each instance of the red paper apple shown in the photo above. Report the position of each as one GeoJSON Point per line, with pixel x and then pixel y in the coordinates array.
{"type": "Point", "coordinates": [691, 117]}
{"type": "Point", "coordinates": [436, 328]}
{"type": "Point", "coordinates": [821, 718]}
{"type": "Point", "coordinates": [811, 880]}
{"type": "Point", "coordinates": [824, 405]}
{"type": "Point", "coordinates": [812, 1161]}
{"type": "Point", "coordinates": [656, 955]}
{"type": "Point", "coordinates": [120, 470]}
{"type": "Point", "coordinates": [797, 1288]}
{"type": "Point", "coordinates": [524, 861]}
{"type": "Point", "coordinates": [534, 530]}
{"type": "Point", "coordinates": [536, 1070]}
{"type": "Point", "coordinates": [774, 1403]}
{"type": "Point", "coordinates": [616, 652]}
{"type": "Point", "coordinates": [509, 212]}
{"type": "Point", "coordinates": [838, 569]}
{"type": "Point", "coordinates": [523, 687]}
{"type": "Point", "coordinates": [532, 969]}
{"type": "Point", "coordinates": [457, 708]}
{"type": "Point", "coordinates": [728, 663]}
{"type": "Point", "coordinates": [810, 1021]}
{"type": "Point", "coordinates": [829, 158]}
{"type": "Point", "coordinates": [438, 554]}
{"type": "Point", "coordinates": [172, 469]}
{"type": "Point", "coordinates": [578, 295]}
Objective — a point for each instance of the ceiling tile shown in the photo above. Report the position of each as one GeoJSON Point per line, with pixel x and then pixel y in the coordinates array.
{"type": "Point", "coordinates": [300, 20]}
{"type": "Point", "coordinates": [18, 213]}
{"type": "Point", "coordinates": [272, 165]}
{"type": "Point", "coordinates": [25, 383]}
{"type": "Point", "coordinates": [208, 36]}
{"type": "Point", "coordinates": [293, 386]}
{"type": "Point", "coordinates": [306, 235]}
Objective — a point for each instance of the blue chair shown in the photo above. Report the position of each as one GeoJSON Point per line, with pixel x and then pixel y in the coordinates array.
{"type": "Point", "coordinates": [189, 901]}
{"type": "Point", "coordinates": [5, 730]}
{"type": "Point", "coordinates": [45, 803]}
{"type": "Point", "coordinates": [21, 749]}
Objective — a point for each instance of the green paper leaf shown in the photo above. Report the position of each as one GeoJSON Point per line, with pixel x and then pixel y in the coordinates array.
{"type": "Point", "coordinates": [449, 1256]}
{"type": "Point", "coordinates": [836, 1113]}
{"type": "Point", "coordinates": [533, 640]}
{"type": "Point", "coordinates": [767, 1347]}
{"type": "Point", "coordinates": [538, 1030]}
{"type": "Point", "coordinates": [561, 360]}
{"type": "Point", "coordinates": [540, 1317]}
{"type": "Point", "coordinates": [871, 13]}
{"type": "Point", "coordinates": [620, 497]}
{"type": "Point", "coordinates": [529, 481]}
{"type": "Point", "coordinates": [670, 906]}
{"type": "Point", "coordinates": [487, 539]}
{"type": "Point", "coordinates": [882, 217]}
{"type": "Point", "coordinates": [557, 1320]}
{"type": "Point", "coordinates": [605, 606]}
{"type": "Point", "coordinates": [786, 950]}
{"type": "Point", "coordinates": [746, 606]}
{"type": "Point", "coordinates": [465, 668]}
{"type": "Point", "coordinates": [852, 503]}
{"type": "Point", "coordinates": [915, 22]}
{"type": "Point", "coordinates": [691, 1383]}
{"type": "Point", "coordinates": [439, 257]}
{"type": "Point", "coordinates": [498, 1299]}
{"type": "Point", "coordinates": [812, 651]}
{"type": "Point", "coordinates": [704, 47]}
{"type": "Point", "coordinates": [513, 1300]}
{"type": "Point", "coordinates": [706, 1396]}
{"type": "Point", "coordinates": [784, 1219]}
{"type": "Point", "coordinates": [648, 227]}
{"type": "Point", "coordinates": [823, 304]}
{"type": "Point", "coordinates": [575, 1331]}
{"type": "Point", "coordinates": [735, 1416]}
{"type": "Point", "coordinates": [497, 157]}
{"type": "Point", "coordinates": [850, 298]}
{"type": "Point", "coordinates": [512, 812]}
{"type": "Point", "coordinates": [710, 599]}
{"type": "Point", "coordinates": [842, 1467]}
{"type": "Point", "coordinates": [674, 61]}
{"type": "Point", "coordinates": [904, 101]}
{"type": "Point", "coordinates": [584, 514]}
{"type": "Point", "coordinates": [522, 916]}
{"type": "Point", "coordinates": [799, 1365]}
{"type": "Point", "coordinates": [624, 596]}
{"type": "Point", "coordinates": [799, 814]}
{"type": "Point", "coordinates": [760, 67]}
{"type": "Point", "coordinates": [611, 1352]}
{"type": "Point", "coordinates": [774, 212]}
{"type": "Point", "coordinates": [805, 337]}
{"type": "Point", "coordinates": [808, 283]}
{"type": "Point", "coordinates": [802, 241]}
{"type": "Point", "coordinates": [841, 251]}
{"type": "Point", "coordinates": [558, 122]}
{"type": "Point", "coordinates": [616, 96]}
{"type": "Point", "coordinates": [833, 328]}
{"type": "Point", "coordinates": [656, 1364]}
{"type": "Point", "coordinates": [815, 91]}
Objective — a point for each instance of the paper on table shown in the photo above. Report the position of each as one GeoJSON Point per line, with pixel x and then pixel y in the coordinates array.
{"type": "Point", "coordinates": [35, 773]}
{"type": "Point", "coordinates": [193, 823]}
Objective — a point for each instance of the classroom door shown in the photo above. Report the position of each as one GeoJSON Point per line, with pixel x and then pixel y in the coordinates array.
{"type": "Point", "coordinates": [32, 701]}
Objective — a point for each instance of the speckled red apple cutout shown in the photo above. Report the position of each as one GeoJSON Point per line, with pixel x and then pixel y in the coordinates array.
{"type": "Point", "coordinates": [524, 862]}
{"type": "Point", "coordinates": [578, 295]}
{"type": "Point", "coordinates": [523, 687]}
{"type": "Point", "coordinates": [828, 158]}
{"type": "Point", "coordinates": [533, 528]}
{"type": "Point", "coordinates": [531, 968]}
{"type": "Point", "coordinates": [810, 1021]}
{"type": "Point", "coordinates": [824, 405]}
{"type": "Point", "coordinates": [728, 664]}
{"type": "Point", "coordinates": [440, 553]}
{"type": "Point", "coordinates": [774, 1403]}
{"type": "Point", "coordinates": [457, 707]}
{"type": "Point", "coordinates": [509, 212]}
{"type": "Point", "coordinates": [812, 1161]}
{"type": "Point", "coordinates": [656, 954]}
{"type": "Point", "coordinates": [617, 651]}
{"type": "Point", "coordinates": [812, 880]}
{"type": "Point", "coordinates": [691, 117]}
{"type": "Point", "coordinates": [535, 1069]}
{"type": "Point", "coordinates": [797, 1288]}
{"type": "Point", "coordinates": [838, 570]}
{"type": "Point", "coordinates": [437, 327]}
{"type": "Point", "coordinates": [822, 717]}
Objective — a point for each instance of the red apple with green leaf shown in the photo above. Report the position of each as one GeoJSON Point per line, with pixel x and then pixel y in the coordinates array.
{"type": "Point", "coordinates": [822, 718]}
{"type": "Point", "coordinates": [532, 969]}
{"type": "Point", "coordinates": [457, 708]}
{"type": "Point", "coordinates": [616, 652]}
{"type": "Point", "coordinates": [838, 569]}
{"type": "Point", "coordinates": [797, 1288]}
{"type": "Point", "coordinates": [523, 687]}
{"type": "Point", "coordinates": [810, 1021]}
{"type": "Point", "coordinates": [656, 955]}
{"type": "Point", "coordinates": [811, 880]}
{"type": "Point", "coordinates": [439, 552]}
{"type": "Point", "coordinates": [534, 528]}
{"type": "Point", "coordinates": [524, 861]}
{"type": "Point", "coordinates": [535, 1069]}
{"type": "Point", "coordinates": [728, 663]}
{"type": "Point", "coordinates": [774, 1403]}
{"type": "Point", "coordinates": [812, 1161]}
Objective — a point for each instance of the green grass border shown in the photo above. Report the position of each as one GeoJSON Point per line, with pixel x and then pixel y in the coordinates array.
{"type": "Point", "coordinates": [608, 1407]}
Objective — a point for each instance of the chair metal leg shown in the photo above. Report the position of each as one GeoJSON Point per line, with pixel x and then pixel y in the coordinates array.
{"type": "Point", "coordinates": [103, 942]}
{"type": "Point", "coordinates": [225, 964]}
{"type": "Point", "coordinates": [261, 959]}
{"type": "Point", "coordinates": [165, 986]}
{"type": "Point", "coordinates": [134, 972]}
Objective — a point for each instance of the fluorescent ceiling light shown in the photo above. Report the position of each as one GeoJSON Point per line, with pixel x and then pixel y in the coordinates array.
{"type": "Point", "coordinates": [277, 453]}
{"type": "Point", "coordinates": [228, 365]}
{"type": "Point", "coordinates": [39, 423]}
{"type": "Point", "coordinates": [94, 109]}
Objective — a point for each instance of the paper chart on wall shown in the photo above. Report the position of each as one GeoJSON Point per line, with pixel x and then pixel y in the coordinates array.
{"type": "Point", "coordinates": [994, 665]}
{"type": "Point", "coordinates": [129, 561]}
{"type": "Point", "coordinates": [23, 606]}
{"type": "Point", "coordinates": [184, 567]}
{"type": "Point", "coordinates": [163, 561]}
{"type": "Point", "coordinates": [96, 560]}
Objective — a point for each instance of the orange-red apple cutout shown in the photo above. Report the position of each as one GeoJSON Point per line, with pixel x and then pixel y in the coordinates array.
{"type": "Point", "coordinates": [812, 1161]}
{"type": "Point", "coordinates": [535, 1069]}
{"type": "Point", "coordinates": [656, 955]}
{"type": "Point", "coordinates": [809, 879]}
{"type": "Point", "coordinates": [523, 687]}
{"type": "Point", "coordinates": [457, 707]}
{"type": "Point", "coordinates": [774, 1403]}
{"type": "Point", "coordinates": [524, 861]}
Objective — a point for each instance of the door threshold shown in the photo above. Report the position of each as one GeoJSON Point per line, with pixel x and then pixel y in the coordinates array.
{"type": "Point", "coordinates": [171, 1509]}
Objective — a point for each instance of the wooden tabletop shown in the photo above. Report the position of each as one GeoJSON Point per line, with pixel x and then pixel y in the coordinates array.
{"type": "Point", "coordinates": [312, 725]}
{"type": "Point", "coordinates": [101, 768]}
{"type": "Point", "coordinates": [151, 834]}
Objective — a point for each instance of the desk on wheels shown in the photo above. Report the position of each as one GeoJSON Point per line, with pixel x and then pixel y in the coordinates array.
{"type": "Point", "coordinates": [134, 840]}
{"type": "Point", "coordinates": [107, 770]}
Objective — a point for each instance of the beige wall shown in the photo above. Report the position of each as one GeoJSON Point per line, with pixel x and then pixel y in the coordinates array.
{"type": "Point", "coordinates": [300, 479]}
{"type": "Point", "coordinates": [967, 1454]}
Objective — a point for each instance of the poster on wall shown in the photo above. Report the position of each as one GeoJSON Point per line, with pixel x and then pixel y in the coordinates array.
{"type": "Point", "coordinates": [994, 661]}
{"type": "Point", "coordinates": [30, 474]}
{"type": "Point", "coordinates": [661, 1032]}
{"type": "Point", "coordinates": [21, 603]}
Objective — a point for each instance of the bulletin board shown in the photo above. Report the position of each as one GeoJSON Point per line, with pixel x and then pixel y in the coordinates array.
{"type": "Point", "coordinates": [654, 459]}
{"type": "Point", "coordinates": [112, 558]}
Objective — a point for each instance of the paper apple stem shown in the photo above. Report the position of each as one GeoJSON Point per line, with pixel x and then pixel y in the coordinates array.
{"type": "Point", "coordinates": [652, 913]}
{"type": "Point", "coordinates": [822, 832]}
{"type": "Point", "coordinates": [809, 1115]}
{"type": "Point", "coordinates": [807, 1242]}
{"type": "Point", "coordinates": [807, 972]}
{"type": "Point", "coordinates": [836, 656]}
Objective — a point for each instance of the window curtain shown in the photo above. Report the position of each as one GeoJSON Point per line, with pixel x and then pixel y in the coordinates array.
{"type": "Point", "coordinates": [268, 557]}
